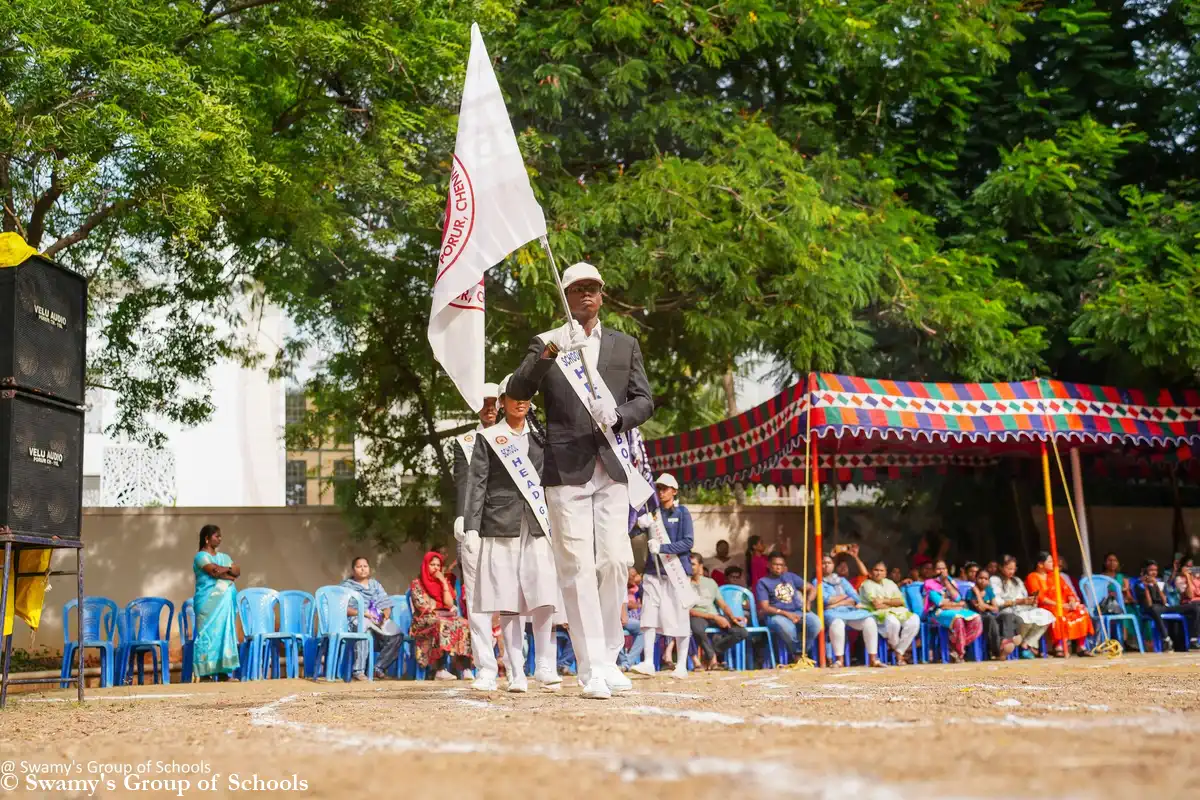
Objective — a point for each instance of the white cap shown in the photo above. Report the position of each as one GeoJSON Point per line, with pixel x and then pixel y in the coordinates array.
{"type": "Point", "coordinates": [582, 271]}
{"type": "Point", "coordinates": [667, 479]}
{"type": "Point", "coordinates": [491, 390]}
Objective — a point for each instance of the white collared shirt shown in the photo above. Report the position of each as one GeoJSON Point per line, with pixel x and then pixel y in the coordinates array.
{"type": "Point", "coordinates": [591, 348]}
{"type": "Point", "coordinates": [519, 438]}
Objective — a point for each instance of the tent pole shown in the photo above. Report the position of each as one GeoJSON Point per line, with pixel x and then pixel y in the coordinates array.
{"type": "Point", "coordinates": [816, 501]}
{"type": "Point", "coordinates": [1059, 617]}
{"type": "Point", "coordinates": [1081, 510]}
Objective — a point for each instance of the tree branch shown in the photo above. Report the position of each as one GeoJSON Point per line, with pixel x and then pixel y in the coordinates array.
{"type": "Point", "coordinates": [249, 4]}
{"type": "Point", "coordinates": [89, 224]}
{"type": "Point", "coordinates": [42, 206]}
{"type": "Point", "coordinates": [10, 221]}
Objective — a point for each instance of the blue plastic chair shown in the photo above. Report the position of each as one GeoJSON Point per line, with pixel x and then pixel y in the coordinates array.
{"type": "Point", "coordinates": [141, 632]}
{"type": "Point", "coordinates": [1093, 591]}
{"type": "Point", "coordinates": [297, 611]}
{"type": "Point", "coordinates": [257, 609]}
{"type": "Point", "coordinates": [187, 639]}
{"type": "Point", "coordinates": [100, 617]}
{"type": "Point", "coordinates": [337, 641]}
{"type": "Point", "coordinates": [1135, 585]}
{"type": "Point", "coordinates": [737, 598]}
{"type": "Point", "coordinates": [914, 599]}
{"type": "Point", "coordinates": [402, 615]}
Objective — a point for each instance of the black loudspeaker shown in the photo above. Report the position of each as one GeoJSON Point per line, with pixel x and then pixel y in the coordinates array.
{"type": "Point", "coordinates": [43, 329]}
{"type": "Point", "coordinates": [41, 466]}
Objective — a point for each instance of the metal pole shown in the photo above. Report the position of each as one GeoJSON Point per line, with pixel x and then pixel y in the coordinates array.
{"type": "Point", "coordinates": [1081, 510]}
{"type": "Point", "coordinates": [79, 619]}
{"type": "Point", "coordinates": [562, 294]}
{"type": "Point", "coordinates": [816, 501]}
{"type": "Point", "coordinates": [8, 553]}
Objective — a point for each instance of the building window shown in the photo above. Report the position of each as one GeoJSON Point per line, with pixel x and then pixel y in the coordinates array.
{"type": "Point", "coordinates": [91, 491]}
{"type": "Point", "coordinates": [296, 483]}
{"type": "Point", "coordinates": [294, 406]}
{"type": "Point", "coordinates": [343, 469]}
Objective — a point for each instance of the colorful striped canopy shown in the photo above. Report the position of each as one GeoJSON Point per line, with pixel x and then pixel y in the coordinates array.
{"type": "Point", "coordinates": [879, 428]}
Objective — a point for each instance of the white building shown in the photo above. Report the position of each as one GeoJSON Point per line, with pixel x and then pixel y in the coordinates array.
{"type": "Point", "coordinates": [236, 458]}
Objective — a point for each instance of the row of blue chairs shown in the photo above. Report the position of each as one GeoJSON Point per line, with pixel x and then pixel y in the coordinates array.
{"type": "Point", "coordinates": [276, 625]}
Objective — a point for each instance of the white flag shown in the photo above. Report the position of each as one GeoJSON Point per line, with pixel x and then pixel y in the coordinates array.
{"type": "Point", "coordinates": [490, 212]}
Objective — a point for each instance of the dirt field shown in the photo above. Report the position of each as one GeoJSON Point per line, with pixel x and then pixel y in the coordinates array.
{"type": "Point", "coordinates": [1081, 728]}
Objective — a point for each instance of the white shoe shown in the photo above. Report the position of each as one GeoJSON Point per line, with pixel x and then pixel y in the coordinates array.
{"type": "Point", "coordinates": [484, 683]}
{"type": "Point", "coordinates": [679, 673]}
{"type": "Point", "coordinates": [616, 680]}
{"type": "Point", "coordinates": [443, 675]}
{"type": "Point", "coordinates": [548, 681]}
{"type": "Point", "coordinates": [644, 668]}
{"type": "Point", "coordinates": [519, 685]}
{"type": "Point", "coordinates": [596, 689]}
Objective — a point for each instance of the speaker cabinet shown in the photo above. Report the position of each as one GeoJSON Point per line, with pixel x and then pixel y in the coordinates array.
{"type": "Point", "coordinates": [41, 466]}
{"type": "Point", "coordinates": [43, 329]}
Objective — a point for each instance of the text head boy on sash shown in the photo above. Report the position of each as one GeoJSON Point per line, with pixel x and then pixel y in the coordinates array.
{"type": "Point", "coordinates": [482, 650]}
{"type": "Point", "coordinates": [585, 476]}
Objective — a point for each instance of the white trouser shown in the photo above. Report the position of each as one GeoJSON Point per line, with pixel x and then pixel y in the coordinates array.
{"type": "Point", "coordinates": [483, 652]}
{"type": "Point", "coordinates": [868, 628]}
{"type": "Point", "coordinates": [590, 531]}
{"type": "Point", "coordinates": [512, 627]}
{"type": "Point", "coordinates": [900, 636]}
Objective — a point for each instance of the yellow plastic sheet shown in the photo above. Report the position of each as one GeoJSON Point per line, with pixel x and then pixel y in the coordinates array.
{"type": "Point", "coordinates": [13, 250]}
{"type": "Point", "coordinates": [27, 596]}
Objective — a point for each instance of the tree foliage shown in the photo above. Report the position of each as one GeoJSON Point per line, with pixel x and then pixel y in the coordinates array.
{"type": "Point", "coordinates": [930, 190]}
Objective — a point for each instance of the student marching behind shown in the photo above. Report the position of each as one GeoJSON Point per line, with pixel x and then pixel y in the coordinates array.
{"type": "Point", "coordinates": [507, 528]}
{"type": "Point", "coordinates": [663, 610]}
{"type": "Point", "coordinates": [484, 653]}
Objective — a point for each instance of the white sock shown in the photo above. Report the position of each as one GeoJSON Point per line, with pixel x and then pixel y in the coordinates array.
{"type": "Point", "coordinates": [681, 653]}
{"type": "Point", "coordinates": [512, 629]}
{"type": "Point", "coordinates": [648, 652]}
{"type": "Point", "coordinates": [545, 647]}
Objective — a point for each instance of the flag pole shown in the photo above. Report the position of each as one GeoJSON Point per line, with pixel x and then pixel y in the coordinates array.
{"type": "Point", "coordinates": [562, 294]}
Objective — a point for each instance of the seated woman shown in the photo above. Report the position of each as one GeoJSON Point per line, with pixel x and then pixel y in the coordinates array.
{"type": "Point", "coordinates": [885, 600]}
{"type": "Point", "coordinates": [1000, 630]}
{"type": "Point", "coordinates": [843, 607]}
{"type": "Point", "coordinates": [1075, 625]}
{"type": "Point", "coordinates": [947, 608]}
{"type": "Point", "coordinates": [378, 608]}
{"type": "Point", "coordinates": [437, 627]}
{"type": "Point", "coordinates": [1010, 596]}
{"type": "Point", "coordinates": [505, 513]}
{"type": "Point", "coordinates": [1153, 602]}
{"type": "Point", "coordinates": [215, 602]}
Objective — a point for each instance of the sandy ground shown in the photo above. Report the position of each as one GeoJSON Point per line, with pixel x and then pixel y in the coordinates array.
{"type": "Point", "coordinates": [1081, 728]}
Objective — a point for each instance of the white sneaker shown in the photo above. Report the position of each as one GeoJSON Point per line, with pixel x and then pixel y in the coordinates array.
{"type": "Point", "coordinates": [680, 673]}
{"type": "Point", "coordinates": [616, 680]}
{"type": "Point", "coordinates": [548, 681]}
{"type": "Point", "coordinates": [644, 668]}
{"type": "Point", "coordinates": [596, 689]}
{"type": "Point", "coordinates": [519, 685]}
{"type": "Point", "coordinates": [443, 675]}
{"type": "Point", "coordinates": [484, 683]}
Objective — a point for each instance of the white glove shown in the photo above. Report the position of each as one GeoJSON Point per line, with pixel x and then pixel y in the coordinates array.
{"type": "Point", "coordinates": [458, 529]}
{"type": "Point", "coordinates": [569, 337]}
{"type": "Point", "coordinates": [654, 547]}
{"type": "Point", "coordinates": [645, 522]}
{"type": "Point", "coordinates": [604, 410]}
{"type": "Point", "coordinates": [471, 541]}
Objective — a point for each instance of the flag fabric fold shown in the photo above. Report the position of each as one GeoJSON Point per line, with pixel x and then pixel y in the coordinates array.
{"type": "Point", "coordinates": [490, 212]}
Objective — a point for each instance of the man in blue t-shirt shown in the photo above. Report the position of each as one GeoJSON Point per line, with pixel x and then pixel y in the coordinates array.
{"type": "Point", "coordinates": [782, 598]}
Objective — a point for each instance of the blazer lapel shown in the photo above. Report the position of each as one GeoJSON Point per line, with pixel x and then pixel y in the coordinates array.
{"type": "Point", "coordinates": [607, 338]}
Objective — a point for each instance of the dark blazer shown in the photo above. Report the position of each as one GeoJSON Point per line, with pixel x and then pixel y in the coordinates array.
{"type": "Point", "coordinates": [574, 439]}
{"type": "Point", "coordinates": [462, 466]}
{"type": "Point", "coordinates": [494, 504]}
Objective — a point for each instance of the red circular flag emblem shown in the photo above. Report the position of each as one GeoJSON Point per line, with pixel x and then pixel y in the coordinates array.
{"type": "Point", "coordinates": [460, 217]}
{"type": "Point", "coordinates": [501, 440]}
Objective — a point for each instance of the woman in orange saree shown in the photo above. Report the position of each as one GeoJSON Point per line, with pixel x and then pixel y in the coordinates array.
{"type": "Point", "coordinates": [1075, 624]}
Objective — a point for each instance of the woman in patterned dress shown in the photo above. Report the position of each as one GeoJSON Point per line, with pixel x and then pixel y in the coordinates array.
{"type": "Point", "coordinates": [437, 627]}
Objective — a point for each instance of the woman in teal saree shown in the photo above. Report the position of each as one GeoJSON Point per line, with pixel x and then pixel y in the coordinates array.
{"type": "Point", "coordinates": [216, 649]}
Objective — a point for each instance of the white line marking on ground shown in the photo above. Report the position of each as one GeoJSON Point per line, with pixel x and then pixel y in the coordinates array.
{"type": "Point", "coordinates": [473, 703]}
{"type": "Point", "coordinates": [768, 774]}
{"type": "Point", "coordinates": [108, 698]}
